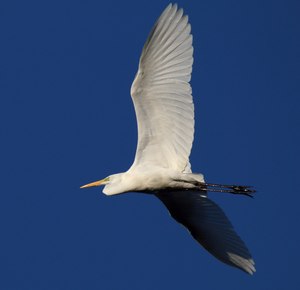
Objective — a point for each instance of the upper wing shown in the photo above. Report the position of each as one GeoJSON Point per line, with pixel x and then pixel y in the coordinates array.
{"type": "Point", "coordinates": [161, 94]}
{"type": "Point", "coordinates": [209, 225]}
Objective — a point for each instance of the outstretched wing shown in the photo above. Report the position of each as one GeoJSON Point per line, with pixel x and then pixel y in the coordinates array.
{"type": "Point", "coordinates": [209, 225]}
{"type": "Point", "coordinates": [161, 94]}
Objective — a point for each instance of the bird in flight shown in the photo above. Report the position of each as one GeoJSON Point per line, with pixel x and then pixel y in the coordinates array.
{"type": "Point", "coordinates": [162, 98]}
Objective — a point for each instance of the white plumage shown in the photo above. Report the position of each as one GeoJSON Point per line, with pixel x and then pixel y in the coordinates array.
{"type": "Point", "coordinates": [163, 103]}
{"type": "Point", "coordinates": [162, 94]}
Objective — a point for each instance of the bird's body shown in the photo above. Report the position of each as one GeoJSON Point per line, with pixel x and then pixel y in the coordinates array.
{"type": "Point", "coordinates": [151, 181]}
{"type": "Point", "coordinates": [163, 102]}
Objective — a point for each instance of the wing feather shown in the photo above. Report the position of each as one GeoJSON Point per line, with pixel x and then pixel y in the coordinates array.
{"type": "Point", "coordinates": [209, 225]}
{"type": "Point", "coordinates": [161, 94]}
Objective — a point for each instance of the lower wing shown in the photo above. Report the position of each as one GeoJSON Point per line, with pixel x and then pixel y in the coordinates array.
{"type": "Point", "coordinates": [209, 225]}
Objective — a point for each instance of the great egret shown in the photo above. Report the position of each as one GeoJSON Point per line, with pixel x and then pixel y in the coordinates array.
{"type": "Point", "coordinates": [163, 103]}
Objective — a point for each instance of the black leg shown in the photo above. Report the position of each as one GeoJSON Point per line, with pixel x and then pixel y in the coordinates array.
{"type": "Point", "coordinates": [234, 189]}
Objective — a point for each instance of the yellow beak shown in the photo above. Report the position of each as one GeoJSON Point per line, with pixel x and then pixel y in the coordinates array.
{"type": "Point", "coordinates": [96, 183]}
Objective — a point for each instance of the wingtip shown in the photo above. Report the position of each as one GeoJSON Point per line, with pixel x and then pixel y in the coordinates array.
{"type": "Point", "coordinates": [245, 264]}
{"type": "Point", "coordinates": [252, 267]}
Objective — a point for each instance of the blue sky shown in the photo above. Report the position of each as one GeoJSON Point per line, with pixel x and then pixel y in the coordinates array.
{"type": "Point", "coordinates": [66, 118]}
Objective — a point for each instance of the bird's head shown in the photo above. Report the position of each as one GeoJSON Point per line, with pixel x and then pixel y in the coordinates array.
{"type": "Point", "coordinates": [112, 184]}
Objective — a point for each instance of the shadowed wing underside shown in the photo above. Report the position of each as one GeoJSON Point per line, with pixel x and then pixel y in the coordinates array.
{"type": "Point", "coordinates": [209, 225]}
{"type": "Point", "coordinates": [161, 94]}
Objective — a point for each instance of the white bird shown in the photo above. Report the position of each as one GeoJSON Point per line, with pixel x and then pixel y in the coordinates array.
{"type": "Point", "coordinates": [162, 98]}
